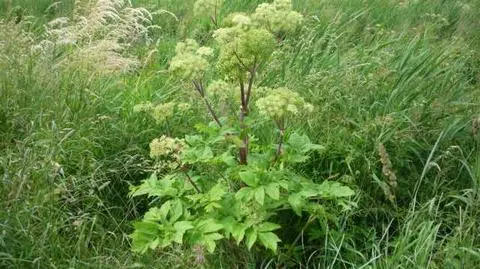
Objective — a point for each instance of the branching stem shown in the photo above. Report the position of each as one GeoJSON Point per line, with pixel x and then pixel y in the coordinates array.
{"type": "Point", "coordinates": [189, 178]}
{"type": "Point", "coordinates": [201, 91]}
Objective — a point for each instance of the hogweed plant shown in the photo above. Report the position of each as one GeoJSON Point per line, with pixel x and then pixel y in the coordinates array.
{"type": "Point", "coordinates": [222, 183]}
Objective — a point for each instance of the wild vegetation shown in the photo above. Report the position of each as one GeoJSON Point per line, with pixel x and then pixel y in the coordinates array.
{"type": "Point", "coordinates": [239, 134]}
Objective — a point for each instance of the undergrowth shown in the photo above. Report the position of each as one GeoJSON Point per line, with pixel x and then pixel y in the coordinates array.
{"type": "Point", "coordinates": [395, 85]}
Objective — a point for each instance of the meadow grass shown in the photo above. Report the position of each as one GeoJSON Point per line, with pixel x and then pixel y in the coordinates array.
{"type": "Point", "coordinates": [401, 74]}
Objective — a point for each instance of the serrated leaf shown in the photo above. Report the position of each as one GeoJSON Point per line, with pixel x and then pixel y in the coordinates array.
{"type": "Point", "coordinates": [273, 190]}
{"type": "Point", "coordinates": [210, 245]}
{"type": "Point", "coordinates": [176, 210]}
{"type": "Point", "coordinates": [216, 192]}
{"type": "Point", "coordinates": [209, 226]}
{"type": "Point", "coordinates": [209, 241]}
{"type": "Point", "coordinates": [268, 227]}
{"type": "Point", "coordinates": [144, 236]}
{"type": "Point", "coordinates": [228, 224]}
{"type": "Point", "coordinates": [269, 240]}
{"type": "Point", "coordinates": [164, 209]}
{"type": "Point", "coordinates": [206, 154]}
{"type": "Point", "coordinates": [245, 194]}
{"type": "Point", "coordinates": [228, 159]}
{"type": "Point", "coordinates": [238, 232]}
{"type": "Point", "coordinates": [332, 189]}
{"type": "Point", "coordinates": [155, 187]}
{"type": "Point", "coordinates": [153, 214]}
{"type": "Point", "coordinates": [250, 178]}
{"type": "Point", "coordinates": [183, 225]}
{"type": "Point", "coordinates": [251, 236]}
{"type": "Point", "coordinates": [260, 195]}
{"type": "Point", "coordinates": [297, 202]}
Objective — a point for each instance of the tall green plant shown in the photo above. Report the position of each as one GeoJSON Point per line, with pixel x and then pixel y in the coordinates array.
{"type": "Point", "coordinates": [221, 182]}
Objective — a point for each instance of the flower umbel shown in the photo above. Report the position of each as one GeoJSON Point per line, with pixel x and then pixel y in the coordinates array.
{"type": "Point", "coordinates": [281, 102]}
{"type": "Point", "coordinates": [165, 146]}
{"type": "Point", "coordinates": [190, 61]}
{"type": "Point", "coordinates": [278, 17]}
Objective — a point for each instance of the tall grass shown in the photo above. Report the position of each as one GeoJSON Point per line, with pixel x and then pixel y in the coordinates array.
{"type": "Point", "coordinates": [401, 74]}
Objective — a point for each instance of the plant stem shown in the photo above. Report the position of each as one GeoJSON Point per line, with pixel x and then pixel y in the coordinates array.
{"type": "Point", "coordinates": [191, 180]}
{"type": "Point", "coordinates": [244, 137]}
{"type": "Point", "coordinates": [250, 81]}
{"type": "Point", "coordinates": [201, 91]}
{"type": "Point", "coordinates": [281, 129]}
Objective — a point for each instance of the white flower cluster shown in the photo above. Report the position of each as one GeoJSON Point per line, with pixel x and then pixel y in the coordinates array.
{"type": "Point", "coordinates": [190, 61]}
{"type": "Point", "coordinates": [166, 147]}
{"type": "Point", "coordinates": [278, 17]}
{"type": "Point", "coordinates": [161, 112]}
{"type": "Point", "coordinates": [281, 102]}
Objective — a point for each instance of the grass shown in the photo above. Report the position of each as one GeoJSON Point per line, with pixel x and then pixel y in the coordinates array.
{"type": "Point", "coordinates": [404, 74]}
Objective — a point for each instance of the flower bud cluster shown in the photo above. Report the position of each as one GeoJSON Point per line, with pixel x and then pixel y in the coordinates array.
{"type": "Point", "coordinates": [278, 17]}
{"type": "Point", "coordinates": [220, 89]}
{"type": "Point", "coordinates": [281, 102]}
{"type": "Point", "coordinates": [190, 61]}
{"type": "Point", "coordinates": [166, 147]}
{"type": "Point", "coordinates": [242, 46]}
{"type": "Point", "coordinates": [161, 112]}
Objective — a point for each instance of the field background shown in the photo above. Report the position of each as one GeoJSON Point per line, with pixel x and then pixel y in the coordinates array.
{"type": "Point", "coordinates": [402, 74]}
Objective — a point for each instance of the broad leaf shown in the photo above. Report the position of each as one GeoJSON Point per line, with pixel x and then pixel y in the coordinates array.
{"type": "Point", "coordinates": [176, 210]}
{"type": "Point", "coordinates": [250, 178]}
{"type": "Point", "coordinates": [269, 240]}
{"type": "Point", "coordinates": [273, 190]}
{"type": "Point", "coordinates": [238, 231]}
{"type": "Point", "coordinates": [268, 227]}
{"type": "Point", "coordinates": [245, 194]}
{"type": "Point", "coordinates": [251, 236]}
{"type": "Point", "coordinates": [297, 202]}
{"type": "Point", "coordinates": [209, 241]}
{"type": "Point", "coordinates": [260, 195]}
{"type": "Point", "coordinates": [332, 189]}
{"type": "Point", "coordinates": [209, 226]}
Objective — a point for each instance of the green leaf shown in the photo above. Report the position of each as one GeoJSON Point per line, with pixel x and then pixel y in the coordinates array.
{"type": "Point", "coordinates": [228, 223]}
{"type": "Point", "coordinates": [154, 214]}
{"type": "Point", "coordinates": [260, 195]}
{"type": "Point", "coordinates": [245, 194]}
{"type": "Point", "coordinates": [238, 232]}
{"type": "Point", "coordinates": [176, 210]}
{"type": "Point", "coordinates": [268, 227]}
{"type": "Point", "coordinates": [180, 228]}
{"type": "Point", "coordinates": [164, 209]}
{"type": "Point", "coordinates": [206, 154]}
{"type": "Point", "coordinates": [250, 178]}
{"type": "Point", "coordinates": [298, 147]}
{"type": "Point", "coordinates": [145, 236]}
{"type": "Point", "coordinates": [273, 190]}
{"type": "Point", "coordinates": [209, 226]}
{"type": "Point", "coordinates": [228, 159]}
{"type": "Point", "coordinates": [297, 202]}
{"type": "Point", "coordinates": [156, 187]}
{"type": "Point", "coordinates": [183, 225]}
{"type": "Point", "coordinates": [216, 192]}
{"type": "Point", "coordinates": [333, 189]}
{"type": "Point", "coordinates": [251, 236]}
{"type": "Point", "coordinates": [209, 241]}
{"type": "Point", "coordinates": [269, 240]}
